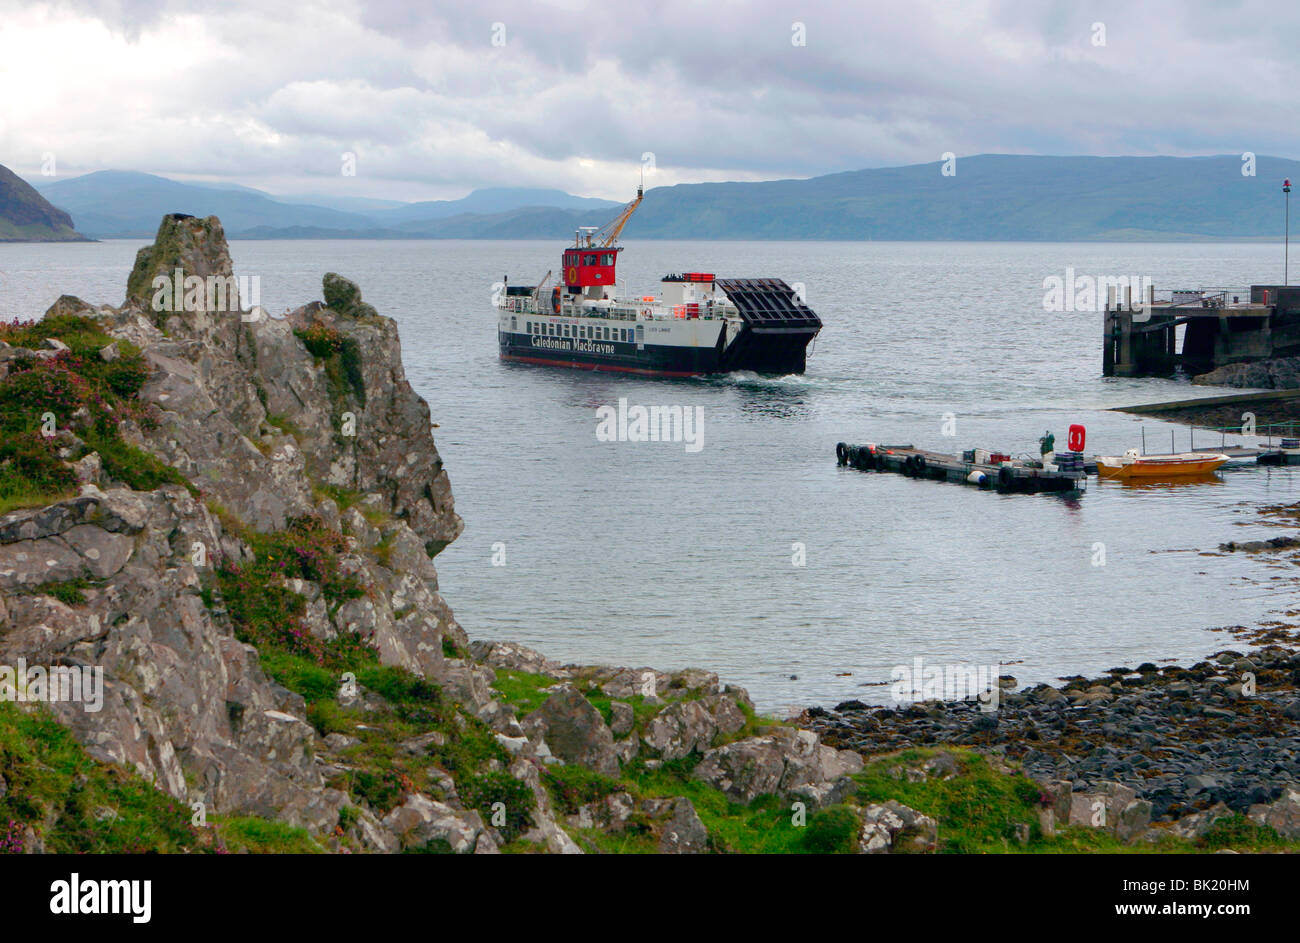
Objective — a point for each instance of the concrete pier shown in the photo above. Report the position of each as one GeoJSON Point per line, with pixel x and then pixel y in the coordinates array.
{"type": "Point", "coordinates": [1220, 326]}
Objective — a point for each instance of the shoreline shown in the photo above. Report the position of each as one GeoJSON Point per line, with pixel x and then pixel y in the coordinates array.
{"type": "Point", "coordinates": [1268, 406]}
{"type": "Point", "coordinates": [1194, 743]}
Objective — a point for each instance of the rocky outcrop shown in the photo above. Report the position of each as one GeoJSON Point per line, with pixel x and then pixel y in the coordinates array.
{"type": "Point", "coordinates": [784, 762]}
{"type": "Point", "coordinates": [185, 704]}
{"type": "Point", "coordinates": [294, 454]}
{"type": "Point", "coordinates": [244, 412]}
{"type": "Point", "coordinates": [1278, 373]}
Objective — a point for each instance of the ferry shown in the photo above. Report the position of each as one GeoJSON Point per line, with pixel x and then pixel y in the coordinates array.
{"type": "Point", "coordinates": [697, 324]}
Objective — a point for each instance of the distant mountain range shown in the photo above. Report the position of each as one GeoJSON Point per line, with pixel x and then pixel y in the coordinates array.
{"type": "Point", "coordinates": [26, 216]}
{"type": "Point", "coordinates": [126, 204]}
{"type": "Point", "coordinates": [990, 197]}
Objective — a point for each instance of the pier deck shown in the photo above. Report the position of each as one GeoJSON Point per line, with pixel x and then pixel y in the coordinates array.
{"type": "Point", "coordinates": [1199, 330]}
{"type": "Point", "coordinates": [912, 462]}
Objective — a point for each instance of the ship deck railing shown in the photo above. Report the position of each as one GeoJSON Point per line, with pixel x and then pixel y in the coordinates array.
{"type": "Point", "coordinates": [1205, 301]}
{"type": "Point", "coordinates": [658, 311]}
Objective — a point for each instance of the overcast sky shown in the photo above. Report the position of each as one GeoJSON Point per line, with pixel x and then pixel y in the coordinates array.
{"type": "Point", "coordinates": [437, 98]}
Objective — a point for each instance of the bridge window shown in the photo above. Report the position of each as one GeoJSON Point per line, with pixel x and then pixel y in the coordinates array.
{"type": "Point", "coordinates": [607, 258]}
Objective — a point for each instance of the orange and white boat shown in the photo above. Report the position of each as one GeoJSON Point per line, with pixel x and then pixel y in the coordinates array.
{"type": "Point", "coordinates": [1132, 464]}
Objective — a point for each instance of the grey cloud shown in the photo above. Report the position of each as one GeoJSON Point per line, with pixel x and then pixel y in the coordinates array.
{"type": "Point", "coordinates": [709, 88]}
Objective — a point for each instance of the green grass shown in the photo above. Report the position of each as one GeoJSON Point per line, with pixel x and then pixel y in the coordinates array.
{"type": "Point", "coordinates": [74, 392]}
{"type": "Point", "coordinates": [574, 786]}
{"type": "Point", "coordinates": [521, 846]}
{"type": "Point", "coordinates": [18, 491]}
{"type": "Point", "coordinates": [484, 791]}
{"type": "Point", "coordinates": [522, 690]}
{"type": "Point", "coordinates": [68, 592]}
{"type": "Point", "coordinates": [31, 473]}
{"type": "Point", "coordinates": [383, 771]}
{"type": "Point", "coordinates": [765, 826]}
{"type": "Point", "coordinates": [263, 836]}
{"type": "Point", "coordinates": [978, 811]}
{"type": "Point", "coordinates": [1237, 832]}
{"type": "Point", "coordinates": [283, 423]}
{"type": "Point", "coordinates": [269, 615]}
{"type": "Point", "coordinates": [988, 804]}
{"type": "Point", "coordinates": [78, 805]}
{"type": "Point", "coordinates": [340, 356]}
{"type": "Point", "coordinates": [344, 498]}
{"type": "Point", "coordinates": [81, 806]}
{"type": "Point", "coordinates": [643, 711]}
{"type": "Point", "coordinates": [134, 466]}
{"type": "Point", "coordinates": [831, 831]}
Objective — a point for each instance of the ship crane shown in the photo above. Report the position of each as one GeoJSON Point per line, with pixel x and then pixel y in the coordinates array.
{"type": "Point", "coordinates": [589, 266]}
{"type": "Point", "coordinates": [540, 285]}
{"type": "Point", "coordinates": [605, 236]}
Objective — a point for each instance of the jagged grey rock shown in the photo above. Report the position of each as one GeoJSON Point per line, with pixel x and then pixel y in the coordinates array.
{"type": "Point", "coordinates": [892, 827]}
{"type": "Point", "coordinates": [186, 705]}
{"type": "Point", "coordinates": [574, 730]}
{"type": "Point", "coordinates": [775, 763]}
{"type": "Point", "coordinates": [684, 833]}
{"type": "Point", "coordinates": [1283, 814]}
{"type": "Point", "coordinates": [687, 727]}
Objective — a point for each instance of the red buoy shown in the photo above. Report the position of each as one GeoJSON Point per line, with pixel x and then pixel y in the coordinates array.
{"type": "Point", "coordinates": [1078, 435]}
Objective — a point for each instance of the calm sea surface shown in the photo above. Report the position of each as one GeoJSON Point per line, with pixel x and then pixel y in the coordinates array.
{"type": "Point", "coordinates": [647, 554]}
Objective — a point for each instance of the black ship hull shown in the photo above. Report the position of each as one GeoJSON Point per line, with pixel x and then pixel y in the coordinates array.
{"type": "Point", "coordinates": [773, 354]}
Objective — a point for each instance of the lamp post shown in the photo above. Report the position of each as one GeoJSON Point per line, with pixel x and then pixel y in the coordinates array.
{"type": "Point", "coordinates": [1286, 236]}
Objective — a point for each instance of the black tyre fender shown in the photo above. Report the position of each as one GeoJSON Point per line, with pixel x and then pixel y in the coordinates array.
{"type": "Point", "coordinates": [918, 462]}
{"type": "Point", "coordinates": [909, 466]}
{"type": "Point", "coordinates": [842, 454]}
{"type": "Point", "coordinates": [1005, 477]}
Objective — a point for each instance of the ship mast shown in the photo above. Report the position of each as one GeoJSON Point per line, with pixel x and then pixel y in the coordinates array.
{"type": "Point", "coordinates": [608, 234]}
